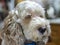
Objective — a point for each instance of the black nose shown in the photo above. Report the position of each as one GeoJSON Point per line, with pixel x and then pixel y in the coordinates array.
{"type": "Point", "coordinates": [41, 30]}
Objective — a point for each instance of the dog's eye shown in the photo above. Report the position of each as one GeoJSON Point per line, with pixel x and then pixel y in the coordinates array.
{"type": "Point", "coordinates": [41, 16]}
{"type": "Point", "coordinates": [41, 30]}
{"type": "Point", "coordinates": [28, 17]}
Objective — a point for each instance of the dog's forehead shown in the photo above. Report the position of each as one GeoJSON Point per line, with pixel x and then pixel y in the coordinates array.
{"type": "Point", "coordinates": [27, 2]}
{"type": "Point", "coordinates": [25, 5]}
{"type": "Point", "coordinates": [30, 4]}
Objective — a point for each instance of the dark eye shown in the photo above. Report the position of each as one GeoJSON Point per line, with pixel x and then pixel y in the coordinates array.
{"type": "Point", "coordinates": [28, 17]}
{"type": "Point", "coordinates": [42, 30]}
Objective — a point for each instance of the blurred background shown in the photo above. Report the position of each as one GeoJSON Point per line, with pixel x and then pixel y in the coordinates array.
{"type": "Point", "coordinates": [52, 11]}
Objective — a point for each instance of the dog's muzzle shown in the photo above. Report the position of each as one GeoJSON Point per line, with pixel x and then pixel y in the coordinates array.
{"type": "Point", "coordinates": [29, 42]}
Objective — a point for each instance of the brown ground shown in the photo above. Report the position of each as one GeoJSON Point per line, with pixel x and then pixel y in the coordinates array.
{"type": "Point", "coordinates": [55, 35]}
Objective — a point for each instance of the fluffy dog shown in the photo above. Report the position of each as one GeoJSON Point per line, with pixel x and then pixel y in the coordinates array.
{"type": "Point", "coordinates": [26, 22]}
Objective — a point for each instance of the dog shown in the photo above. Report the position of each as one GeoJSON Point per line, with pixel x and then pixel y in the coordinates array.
{"type": "Point", "coordinates": [26, 22]}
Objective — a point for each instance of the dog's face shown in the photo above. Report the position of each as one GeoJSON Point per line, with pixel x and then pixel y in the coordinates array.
{"type": "Point", "coordinates": [38, 29]}
{"type": "Point", "coordinates": [30, 8]}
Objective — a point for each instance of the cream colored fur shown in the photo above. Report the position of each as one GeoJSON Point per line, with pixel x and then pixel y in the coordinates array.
{"type": "Point", "coordinates": [30, 16]}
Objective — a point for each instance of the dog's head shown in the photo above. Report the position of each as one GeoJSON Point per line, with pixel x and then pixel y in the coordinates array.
{"type": "Point", "coordinates": [34, 24]}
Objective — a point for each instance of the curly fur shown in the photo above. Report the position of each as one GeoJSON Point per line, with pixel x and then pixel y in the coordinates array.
{"type": "Point", "coordinates": [30, 21]}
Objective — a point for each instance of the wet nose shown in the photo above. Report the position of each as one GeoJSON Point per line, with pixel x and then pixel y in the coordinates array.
{"type": "Point", "coordinates": [41, 30]}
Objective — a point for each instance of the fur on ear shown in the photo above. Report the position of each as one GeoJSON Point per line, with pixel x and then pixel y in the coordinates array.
{"type": "Point", "coordinates": [12, 33]}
